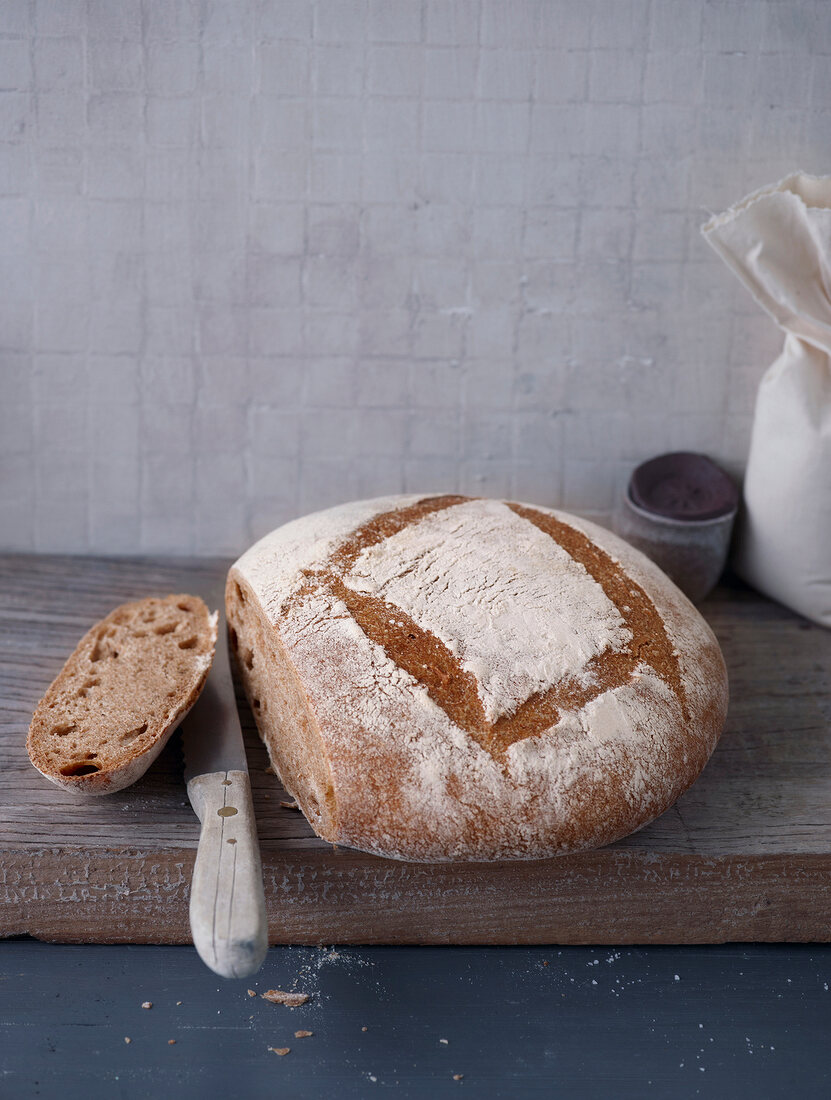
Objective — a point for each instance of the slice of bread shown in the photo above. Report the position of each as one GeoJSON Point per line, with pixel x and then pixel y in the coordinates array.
{"type": "Point", "coordinates": [130, 681]}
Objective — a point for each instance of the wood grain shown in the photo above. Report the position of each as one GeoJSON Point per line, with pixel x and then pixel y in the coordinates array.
{"type": "Point", "coordinates": [744, 855]}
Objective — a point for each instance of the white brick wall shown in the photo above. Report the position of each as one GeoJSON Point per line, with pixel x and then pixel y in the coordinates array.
{"type": "Point", "coordinates": [260, 256]}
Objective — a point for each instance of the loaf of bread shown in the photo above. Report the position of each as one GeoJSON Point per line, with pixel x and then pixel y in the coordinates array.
{"type": "Point", "coordinates": [128, 684]}
{"type": "Point", "coordinates": [444, 678]}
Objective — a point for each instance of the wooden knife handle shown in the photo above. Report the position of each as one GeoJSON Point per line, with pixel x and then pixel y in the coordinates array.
{"type": "Point", "coordinates": [227, 903]}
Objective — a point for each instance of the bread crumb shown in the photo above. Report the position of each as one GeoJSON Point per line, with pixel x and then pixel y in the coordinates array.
{"type": "Point", "coordinates": [178, 1002]}
{"type": "Point", "coordinates": [445, 1041]}
{"type": "Point", "coordinates": [545, 962]}
{"type": "Point", "coordinates": [289, 805]}
{"type": "Point", "coordinates": [146, 1004]}
{"type": "Point", "coordinates": [280, 1050]}
{"type": "Point", "coordinates": [458, 1076]}
{"type": "Point", "coordinates": [303, 1034]}
{"type": "Point", "coordinates": [127, 1039]}
{"type": "Point", "coordinates": [252, 993]}
{"type": "Point", "coordinates": [171, 1042]}
{"type": "Point", "coordinates": [364, 1029]}
{"type": "Point", "coordinates": [278, 997]}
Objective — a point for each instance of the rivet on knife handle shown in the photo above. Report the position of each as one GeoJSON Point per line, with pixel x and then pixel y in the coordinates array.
{"type": "Point", "coordinates": [227, 904]}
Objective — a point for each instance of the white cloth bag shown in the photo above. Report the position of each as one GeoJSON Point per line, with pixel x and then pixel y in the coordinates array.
{"type": "Point", "coordinates": [778, 242]}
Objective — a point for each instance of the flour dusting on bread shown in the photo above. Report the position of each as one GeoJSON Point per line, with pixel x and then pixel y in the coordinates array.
{"type": "Point", "coordinates": [504, 598]}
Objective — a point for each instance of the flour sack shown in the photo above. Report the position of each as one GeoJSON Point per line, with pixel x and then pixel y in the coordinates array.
{"type": "Point", "coordinates": [778, 242]}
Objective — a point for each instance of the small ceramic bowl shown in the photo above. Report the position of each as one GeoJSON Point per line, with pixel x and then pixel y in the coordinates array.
{"type": "Point", "coordinates": [679, 510]}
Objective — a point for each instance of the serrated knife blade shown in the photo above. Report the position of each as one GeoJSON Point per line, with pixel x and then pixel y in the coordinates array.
{"type": "Point", "coordinates": [227, 902]}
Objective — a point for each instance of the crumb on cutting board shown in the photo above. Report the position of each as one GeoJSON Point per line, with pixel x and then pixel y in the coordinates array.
{"type": "Point", "coordinates": [146, 1004]}
{"type": "Point", "coordinates": [280, 1050]}
{"type": "Point", "coordinates": [303, 1034]}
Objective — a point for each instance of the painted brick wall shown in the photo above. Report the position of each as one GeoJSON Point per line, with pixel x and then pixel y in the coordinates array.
{"type": "Point", "coordinates": [261, 256]}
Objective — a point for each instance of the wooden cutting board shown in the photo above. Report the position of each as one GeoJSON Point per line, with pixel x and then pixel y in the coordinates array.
{"type": "Point", "coordinates": [744, 855]}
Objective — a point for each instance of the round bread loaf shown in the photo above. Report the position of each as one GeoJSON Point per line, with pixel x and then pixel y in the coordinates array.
{"type": "Point", "coordinates": [445, 678]}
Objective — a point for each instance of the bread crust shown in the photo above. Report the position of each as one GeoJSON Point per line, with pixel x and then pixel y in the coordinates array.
{"type": "Point", "coordinates": [425, 756]}
{"type": "Point", "coordinates": [125, 688]}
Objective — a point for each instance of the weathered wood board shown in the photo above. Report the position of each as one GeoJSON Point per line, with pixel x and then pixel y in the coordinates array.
{"type": "Point", "coordinates": [744, 855]}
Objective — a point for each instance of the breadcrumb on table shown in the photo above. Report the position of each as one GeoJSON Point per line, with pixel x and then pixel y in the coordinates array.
{"type": "Point", "coordinates": [279, 997]}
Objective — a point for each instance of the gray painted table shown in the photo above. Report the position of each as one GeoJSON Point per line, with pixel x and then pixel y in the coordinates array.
{"type": "Point", "coordinates": [724, 1021]}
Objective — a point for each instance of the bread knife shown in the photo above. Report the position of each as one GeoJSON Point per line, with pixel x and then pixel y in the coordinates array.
{"type": "Point", "coordinates": [227, 902]}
